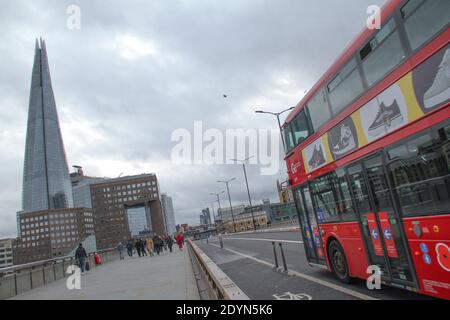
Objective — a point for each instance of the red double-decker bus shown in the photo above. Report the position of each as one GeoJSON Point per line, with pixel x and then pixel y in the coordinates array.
{"type": "Point", "coordinates": [368, 153]}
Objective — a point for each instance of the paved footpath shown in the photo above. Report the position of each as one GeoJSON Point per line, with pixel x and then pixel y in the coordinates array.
{"type": "Point", "coordinates": [165, 277]}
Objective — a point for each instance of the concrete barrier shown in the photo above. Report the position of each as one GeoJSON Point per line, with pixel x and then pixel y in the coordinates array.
{"type": "Point", "coordinates": [223, 286]}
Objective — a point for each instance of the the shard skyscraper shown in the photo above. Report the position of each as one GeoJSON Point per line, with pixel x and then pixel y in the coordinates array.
{"type": "Point", "coordinates": [46, 181]}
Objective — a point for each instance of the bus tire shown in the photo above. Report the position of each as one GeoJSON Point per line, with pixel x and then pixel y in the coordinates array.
{"type": "Point", "coordinates": [338, 262]}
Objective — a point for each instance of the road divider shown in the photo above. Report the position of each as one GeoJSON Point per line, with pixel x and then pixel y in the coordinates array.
{"type": "Point", "coordinates": [222, 285]}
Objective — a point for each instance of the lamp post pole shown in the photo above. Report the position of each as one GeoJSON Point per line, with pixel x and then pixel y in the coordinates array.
{"type": "Point", "coordinates": [229, 199]}
{"type": "Point", "coordinates": [278, 114]}
{"type": "Point", "coordinates": [248, 189]}
{"type": "Point", "coordinates": [218, 200]}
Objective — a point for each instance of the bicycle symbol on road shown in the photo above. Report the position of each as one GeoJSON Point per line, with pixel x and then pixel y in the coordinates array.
{"type": "Point", "coordinates": [292, 296]}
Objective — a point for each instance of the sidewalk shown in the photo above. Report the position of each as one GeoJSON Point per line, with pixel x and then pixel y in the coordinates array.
{"type": "Point", "coordinates": [165, 277]}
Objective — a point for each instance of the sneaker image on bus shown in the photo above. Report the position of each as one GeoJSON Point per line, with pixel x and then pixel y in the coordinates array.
{"type": "Point", "coordinates": [387, 116]}
{"type": "Point", "coordinates": [440, 89]}
{"type": "Point", "coordinates": [317, 157]}
{"type": "Point", "coordinates": [346, 141]}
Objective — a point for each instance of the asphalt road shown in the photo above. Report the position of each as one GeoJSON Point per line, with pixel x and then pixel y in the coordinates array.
{"type": "Point", "coordinates": [248, 260]}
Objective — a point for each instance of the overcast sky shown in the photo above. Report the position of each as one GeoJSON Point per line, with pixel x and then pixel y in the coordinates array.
{"type": "Point", "coordinates": [138, 70]}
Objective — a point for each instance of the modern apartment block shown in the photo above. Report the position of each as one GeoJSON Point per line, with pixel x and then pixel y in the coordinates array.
{"type": "Point", "coordinates": [121, 206]}
{"type": "Point", "coordinates": [51, 233]}
{"type": "Point", "coordinates": [6, 253]}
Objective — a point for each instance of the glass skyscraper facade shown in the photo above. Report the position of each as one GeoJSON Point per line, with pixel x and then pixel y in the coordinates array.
{"type": "Point", "coordinates": [46, 181]}
{"type": "Point", "coordinates": [169, 214]}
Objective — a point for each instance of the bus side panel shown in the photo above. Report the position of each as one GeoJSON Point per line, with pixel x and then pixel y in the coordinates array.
{"type": "Point", "coordinates": [350, 238]}
{"type": "Point", "coordinates": [429, 243]}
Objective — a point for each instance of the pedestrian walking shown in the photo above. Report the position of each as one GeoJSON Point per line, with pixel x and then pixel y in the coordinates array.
{"type": "Point", "coordinates": [157, 243]}
{"type": "Point", "coordinates": [143, 247]}
{"type": "Point", "coordinates": [120, 250]}
{"type": "Point", "coordinates": [80, 257]}
{"type": "Point", "coordinates": [150, 247]}
{"type": "Point", "coordinates": [137, 245]}
{"type": "Point", "coordinates": [165, 243]}
{"type": "Point", "coordinates": [130, 249]}
{"type": "Point", "coordinates": [180, 239]}
{"type": "Point", "coordinates": [170, 243]}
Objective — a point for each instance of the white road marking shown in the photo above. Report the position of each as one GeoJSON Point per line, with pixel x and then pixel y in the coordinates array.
{"type": "Point", "coordinates": [307, 277]}
{"type": "Point", "coordinates": [291, 296]}
{"type": "Point", "coordinates": [268, 240]}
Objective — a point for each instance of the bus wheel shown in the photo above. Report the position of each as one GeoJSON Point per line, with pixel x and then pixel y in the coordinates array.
{"type": "Point", "coordinates": [338, 261]}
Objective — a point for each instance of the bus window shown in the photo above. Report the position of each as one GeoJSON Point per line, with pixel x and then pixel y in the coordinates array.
{"type": "Point", "coordinates": [343, 194]}
{"type": "Point", "coordinates": [359, 188]}
{"type": "Point", "coordinates": [300, 127]}
{"type": "Point", "coordinates": [288, 139]}
{"type": "Point", "coordinates": [423, 19]}
{"type": "Point", "coordinates": [382, 53]}
{"type": "Point", "coordinates": [345, 87]}
{"type": "Point", "coordinates": [327, 208]}
{"type": "Point", "coordinates": [420, 172]}
{"type": "Point", "coordinates": [319, 110]}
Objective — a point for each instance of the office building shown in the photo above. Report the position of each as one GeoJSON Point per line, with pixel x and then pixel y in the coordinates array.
{"type": "Point", "coordinates": [114, 200]}
{"type": "Point", "coordinates": [81, 187]}
{"type": "Point", "coordinates": [6, 253]}
{"type": "Point", "coordinates": [169, 214]}
{"type": "Point", "coordinates": [46, 182]}
{"type": "Point", "coordinates": [51, 233]}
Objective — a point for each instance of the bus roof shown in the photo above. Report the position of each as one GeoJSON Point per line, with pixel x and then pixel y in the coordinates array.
{"type": "Point", "coordinates": [348, 52]}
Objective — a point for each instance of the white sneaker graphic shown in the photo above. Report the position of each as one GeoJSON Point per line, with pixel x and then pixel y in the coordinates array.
{"type": "Point", "coordinates": [440, 89]}
{"type": "Point", "coordinates": [346, 141]}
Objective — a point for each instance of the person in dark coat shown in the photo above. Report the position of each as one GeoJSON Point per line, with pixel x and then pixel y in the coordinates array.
{"type": "Point", "coordinates": [165, 242]}
{"type": "Point", "coordinates": [170, 242]}
{"type": "Point", "coordinates": [157, 243]}
{"type": "Point", "coordinates": [143, 245]}
{"type": "Point", "coordinates": [138, 247]}
{"type": "Point", "coordinates": [80, 256]}
{"type": "Point", "coordinates": [130, 248]}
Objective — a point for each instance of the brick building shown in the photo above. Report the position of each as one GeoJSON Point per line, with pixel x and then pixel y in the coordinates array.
{"type": "Point", "coordinates": [118, 204]}
{"type": "Point", "coordinates": [51, 233]}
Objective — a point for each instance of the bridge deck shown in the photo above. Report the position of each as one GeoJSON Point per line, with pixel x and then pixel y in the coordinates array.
{"type": "Point", "coordinates": [167, 277]}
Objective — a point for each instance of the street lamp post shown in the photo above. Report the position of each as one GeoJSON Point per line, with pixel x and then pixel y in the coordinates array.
{"type": "Point", "coordinates": [229, 199]}
{"type": "Point", "coordinates": [278, 114]}
{"type": "Point", "coordinates": [248, 189]}
{"type": "Point", "coordinates": [218, 200]}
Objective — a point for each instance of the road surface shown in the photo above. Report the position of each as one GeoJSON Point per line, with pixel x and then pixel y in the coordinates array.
{"type": "Point", "coordinates": [248, 260]}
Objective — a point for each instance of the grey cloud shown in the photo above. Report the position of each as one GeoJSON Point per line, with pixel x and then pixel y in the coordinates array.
{"type": "Point", "coordinates": [123, 110]}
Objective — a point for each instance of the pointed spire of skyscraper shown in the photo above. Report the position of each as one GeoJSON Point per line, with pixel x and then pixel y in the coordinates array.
{"type": "Point", "coordinates": [46, 181]}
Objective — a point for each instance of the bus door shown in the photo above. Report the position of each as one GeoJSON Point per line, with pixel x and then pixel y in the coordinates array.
{"type": "Point", "coordinates": [380, 225]}
{"type": "Point", "coordinates": [309, 226]}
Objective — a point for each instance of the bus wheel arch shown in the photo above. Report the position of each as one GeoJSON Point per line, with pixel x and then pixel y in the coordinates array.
{"type": "Point", "coordinates": [337, 260]}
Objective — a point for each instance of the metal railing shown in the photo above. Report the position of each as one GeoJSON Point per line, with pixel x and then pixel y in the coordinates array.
{"type": "Point", "coordinates": [18, 279]}
{"type": "Point", "coordinates": [223, 287]}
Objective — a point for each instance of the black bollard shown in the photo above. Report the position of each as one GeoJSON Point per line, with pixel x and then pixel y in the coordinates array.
{"type": "Point", "coordinates": [275, 254]}
{"type": "Point", "coordinates": [283, 257]}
